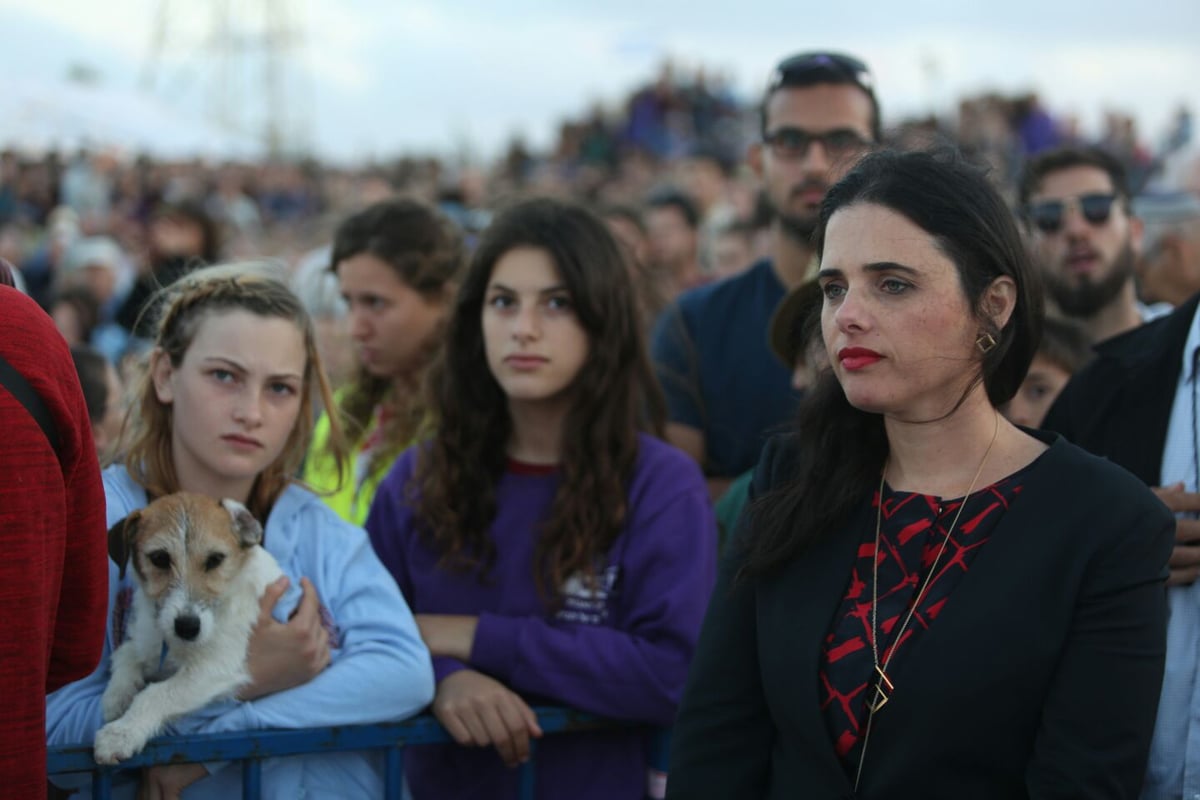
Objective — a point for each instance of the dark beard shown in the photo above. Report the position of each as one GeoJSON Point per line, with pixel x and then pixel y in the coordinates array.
{"type": "Point", "coordinates": [1088, 297]}
{"type": "Point", "coordinates": [799, 229]}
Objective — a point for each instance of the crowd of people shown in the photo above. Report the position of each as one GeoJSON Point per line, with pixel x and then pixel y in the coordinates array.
{"type": "Point", "coordinates": [768, 422]}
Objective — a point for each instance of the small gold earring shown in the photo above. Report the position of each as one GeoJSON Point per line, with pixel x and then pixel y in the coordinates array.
{"type": "Point", "coordinates": [985, 343]}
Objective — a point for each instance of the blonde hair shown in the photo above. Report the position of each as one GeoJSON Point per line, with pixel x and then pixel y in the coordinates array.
{"type": "Point", "coordinates": [261, 289]}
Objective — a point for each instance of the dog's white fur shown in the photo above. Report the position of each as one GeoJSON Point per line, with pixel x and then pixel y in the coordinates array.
{"type": "Point", "coordinates": [193, 531]}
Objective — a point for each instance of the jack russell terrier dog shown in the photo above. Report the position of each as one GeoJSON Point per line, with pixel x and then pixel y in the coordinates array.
{"type": "Point", "coordinates": [200, 569]}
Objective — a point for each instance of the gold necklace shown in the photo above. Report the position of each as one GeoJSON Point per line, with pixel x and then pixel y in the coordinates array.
{"type": "Point", "coordinates": [882, 691]}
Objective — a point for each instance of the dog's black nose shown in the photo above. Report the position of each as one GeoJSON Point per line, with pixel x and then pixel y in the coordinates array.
{"type": "Point", "coordinates": [187, 628]}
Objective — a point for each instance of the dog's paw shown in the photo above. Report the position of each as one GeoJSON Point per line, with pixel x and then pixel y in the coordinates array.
{"type": "Point", "coordinates": [116, 742]}
{"type": "Point", "coordinates": [117, 699]}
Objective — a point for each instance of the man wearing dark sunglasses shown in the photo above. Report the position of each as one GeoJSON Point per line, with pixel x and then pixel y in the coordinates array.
{"type": "Point", "coordinates": [725, 390]}
{"type": "Point", "coordinates": [1138, 404]}
{"type": "Point", "coordinates": [1076, 205]}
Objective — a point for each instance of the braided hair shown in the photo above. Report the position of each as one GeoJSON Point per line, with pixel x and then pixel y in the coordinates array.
{"type": "Point", "coordinates": [183, 306]}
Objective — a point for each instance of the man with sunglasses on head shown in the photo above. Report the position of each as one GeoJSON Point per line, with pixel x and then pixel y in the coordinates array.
{"type": "Point", "coordinates": [1076, 205]}
{"type": "Point", "coordinates": [725, 390]}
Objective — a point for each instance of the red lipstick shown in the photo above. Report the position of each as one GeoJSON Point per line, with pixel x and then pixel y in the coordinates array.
{"type": "Point", "coordinates": [856, 358]}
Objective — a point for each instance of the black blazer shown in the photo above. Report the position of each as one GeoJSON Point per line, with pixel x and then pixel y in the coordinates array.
{"type": "Point", "coordinates": [1119, 405]}
{"type": "Point", "coordinates": [1040, 678]}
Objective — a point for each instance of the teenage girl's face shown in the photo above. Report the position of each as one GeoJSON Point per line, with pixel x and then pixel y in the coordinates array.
{"type": "Point", "coordinates": [535, 343]}
{"type": "Point", "coordinates": [236, 399]}
{"type": "Point", "coordinates": [389, 321]}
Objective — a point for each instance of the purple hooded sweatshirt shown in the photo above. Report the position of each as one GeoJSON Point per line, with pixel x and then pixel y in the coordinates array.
{"type": "Point", "coordinates": [620, 650]}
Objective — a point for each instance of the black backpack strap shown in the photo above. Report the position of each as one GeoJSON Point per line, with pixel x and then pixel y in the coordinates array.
{"type": "Point", "coordinates": [20, 388]}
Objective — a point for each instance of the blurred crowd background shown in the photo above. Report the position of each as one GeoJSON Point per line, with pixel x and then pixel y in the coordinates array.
{"type": "Point", "coordinates": [90, 228]}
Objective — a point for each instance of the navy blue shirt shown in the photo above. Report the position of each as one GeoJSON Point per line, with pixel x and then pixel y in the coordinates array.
{"type": "Point", "coordinates": [713, 358]}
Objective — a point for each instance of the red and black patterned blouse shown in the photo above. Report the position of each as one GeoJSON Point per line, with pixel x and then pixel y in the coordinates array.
{"type": "Point", "coordinates": [912, 529]}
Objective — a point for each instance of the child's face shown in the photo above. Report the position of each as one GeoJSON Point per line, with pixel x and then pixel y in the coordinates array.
{"type": "Point", "coordinates": [1038, 391]}
{"type": "Point", "coordinates": [236, 398]}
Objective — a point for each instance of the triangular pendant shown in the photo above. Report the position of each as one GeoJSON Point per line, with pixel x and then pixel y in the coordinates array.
{"type": "Point", "coordinates": [882, 691]}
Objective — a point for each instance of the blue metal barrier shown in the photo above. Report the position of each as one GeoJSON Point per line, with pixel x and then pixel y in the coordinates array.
{"type": "Point", "coordinates": [250, 747]}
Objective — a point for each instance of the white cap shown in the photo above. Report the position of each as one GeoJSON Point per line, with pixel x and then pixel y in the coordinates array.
{"type": "Point", "coordinates": [95, 251]}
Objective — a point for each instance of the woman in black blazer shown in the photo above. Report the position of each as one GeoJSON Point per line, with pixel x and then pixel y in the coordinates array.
{"type": "Point", "coordinates": [925, 601]}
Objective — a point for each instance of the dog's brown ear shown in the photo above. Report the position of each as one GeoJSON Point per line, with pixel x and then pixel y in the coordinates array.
{"type": "Point", "coordinates": [245, 526]}
{"type": "Point", "coordinates": [120, 540]}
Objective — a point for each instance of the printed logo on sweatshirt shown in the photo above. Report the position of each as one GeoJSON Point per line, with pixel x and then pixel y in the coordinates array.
{"type": "Point", "coordinates": [584, 604]}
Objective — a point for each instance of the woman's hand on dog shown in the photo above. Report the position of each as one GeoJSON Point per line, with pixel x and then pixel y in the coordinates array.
{"type": "Point", "coordinates": [481, 711]}
{"type": "Point", "coordinates": [166, 783]}
{"type": "Point", "coordinates": [280, 655]}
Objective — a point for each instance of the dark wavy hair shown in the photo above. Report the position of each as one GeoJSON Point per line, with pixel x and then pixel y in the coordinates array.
{"type": "Point", "coordinates": [615, 396]}
{"type": "Point", "coordinates": [426, 251]}
{"type": "Point", "coordinates": [841, 449]}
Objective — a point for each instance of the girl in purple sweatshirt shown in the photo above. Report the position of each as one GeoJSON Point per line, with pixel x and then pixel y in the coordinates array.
{"type": "Point", "coordinates": [554, 551]}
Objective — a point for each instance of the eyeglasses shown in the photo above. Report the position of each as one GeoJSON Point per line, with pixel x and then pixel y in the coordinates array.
{"type": "Point", "coordinates": [795, 142]}
{"type": "Point", "coordinates": [1048, 215]}
{"type": "Point", "coordinates": [806, 69]}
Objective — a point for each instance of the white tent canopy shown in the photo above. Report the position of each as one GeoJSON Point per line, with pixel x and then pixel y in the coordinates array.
{"type": "Point", "coordinates": [37, 117]}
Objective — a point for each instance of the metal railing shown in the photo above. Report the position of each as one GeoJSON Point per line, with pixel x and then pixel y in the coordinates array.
{"type": "Point", "coordinates": [251, 747]}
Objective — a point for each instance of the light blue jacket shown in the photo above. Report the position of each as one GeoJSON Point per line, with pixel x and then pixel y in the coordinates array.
{"type": "Point", "coordinates": [381, 670]}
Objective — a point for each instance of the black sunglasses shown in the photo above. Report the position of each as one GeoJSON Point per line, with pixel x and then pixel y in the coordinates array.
{"type": "Point", "coordinates": [795, 142]}
{"type": "Point", "coordinates": [806, 69]}
{"type": "Point", "coordinates": [1048, 215]}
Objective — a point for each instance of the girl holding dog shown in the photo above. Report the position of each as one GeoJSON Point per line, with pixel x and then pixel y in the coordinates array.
{"type": "Point", "coordinates": [554, 549]}
{"type": "Point", "coordinates": [225, 410]}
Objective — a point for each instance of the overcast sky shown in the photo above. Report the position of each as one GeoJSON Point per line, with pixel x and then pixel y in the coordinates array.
{"type": "Point", "coordinates": [373, 78]}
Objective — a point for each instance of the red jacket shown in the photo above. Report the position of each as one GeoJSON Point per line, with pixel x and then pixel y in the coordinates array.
{"type": "Point", "coordinates": [53, 557]}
